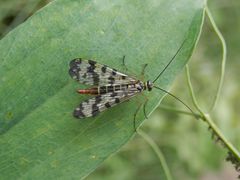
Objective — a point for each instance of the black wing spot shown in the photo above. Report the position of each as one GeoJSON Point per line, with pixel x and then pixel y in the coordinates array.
{"type": "Point", "coordinates": [123, 77]}
{"type": "Point", "coordinates": [74, 68]}
{"type": "Point", "coordinates": [124, 86]}
{"type": "Point", "coordinates": [72, 73]}
{"type": "Point", "coordinates": [78, 113]}
{"type": "Point", "coordinates": [104, 69]}
{"type": "Point", "coordinates": [117, 100]}
{"type": "Point", "coordinates": [75, 62]}
{"type": "Point", "coordinates": [92, 66]}
{"type": "Point", "coordinates": [91, 62]}
{"type": "Point", "coordinates": [95, 109]}
{"type": "Point", "coordinates": [90, 69]}
{"type": "Point", "coordinates": [114, 72]}
{"type": "Point", "coordinates": [110, 88]}
{"type": "Point", "coordinates": [79, 60]}
{"type": "Point", "coordinates": [111, 79]}
{"type": "Point", "coordinates": [98, 99]}
{"type": "Point", "coordinates": [96, 78]}
{"type": "Point", "coordinates": [94, 113]}
{"type": "Point", "coordinates": [117, 88]}
{"type": "Point", "coordinates": [113, 94]}
{"type": "Point", "coordinates": [72, 63]}
{"type": "Point", "coordinates": [103, 89]}
{"type": "Point", "coordinates": [107, 105]}
{"type": "Point", "coordinates": [84, 75]}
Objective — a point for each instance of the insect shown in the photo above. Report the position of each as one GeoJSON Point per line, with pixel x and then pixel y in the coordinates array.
{"type": "Point", "coordinates": [109, 86]}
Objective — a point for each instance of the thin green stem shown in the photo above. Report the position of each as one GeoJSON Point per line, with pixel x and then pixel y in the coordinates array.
{"type": "Point", "coordinates": [194, 100]}
{"type": "Point", "coordinates": [168, 108]}
{"type": "Point", "coordinates": [158, 153]}
{"type": "Point", "coordinates": [218, 133]}
{"type": "Point", "coordinates": [206, 118]}
{"type": "Point", "coordinates": [224, 57]}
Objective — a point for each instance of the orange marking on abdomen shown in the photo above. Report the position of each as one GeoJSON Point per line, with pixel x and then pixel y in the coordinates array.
{"type": "Point", "coordinates": [92, 91]}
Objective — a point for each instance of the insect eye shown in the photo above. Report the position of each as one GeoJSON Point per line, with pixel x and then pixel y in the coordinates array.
{"type": "Point", "coordinates": [149, 85]}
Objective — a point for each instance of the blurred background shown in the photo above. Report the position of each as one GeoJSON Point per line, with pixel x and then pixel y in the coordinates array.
{"type": "Point", "coordinates": [190, 151]}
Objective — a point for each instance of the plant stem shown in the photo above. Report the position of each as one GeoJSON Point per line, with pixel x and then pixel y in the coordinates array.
{"type": "Point", "coordinates": [194, 100]}
{"type": "Point", "coordinates": [207, 118]}
{"type": "Point", "coordinates": [224, 58]}
{"type": "Point", "coordinates": [158, 153]}
{"type": "Point", "coordinates": [168, 108]}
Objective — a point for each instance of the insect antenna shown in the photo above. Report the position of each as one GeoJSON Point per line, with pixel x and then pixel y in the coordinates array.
{"type": "Point", "coordinates": [165, 91]}
{"type": "Point", "coordinates": [175, 97]}
{"type": "Point", "coordinates": [169, 62]}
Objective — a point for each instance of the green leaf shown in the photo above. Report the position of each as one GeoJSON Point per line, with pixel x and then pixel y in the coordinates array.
{"type": "Point", "coordinates": [39, 136]}
{"type": "Point", "coordinates": [14, 12]}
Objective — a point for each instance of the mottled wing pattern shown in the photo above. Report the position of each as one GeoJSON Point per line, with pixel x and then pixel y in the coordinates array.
{"type": "Point", "coordinates": [93, 106]}
{"type": "Point", "coordinates": [92, 73]}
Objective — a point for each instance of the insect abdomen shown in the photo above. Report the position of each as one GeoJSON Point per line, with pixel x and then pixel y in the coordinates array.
{"type": "Point", "coordinates": [112, 88]}
{"type": "Point", "coordinates": [92, 91]}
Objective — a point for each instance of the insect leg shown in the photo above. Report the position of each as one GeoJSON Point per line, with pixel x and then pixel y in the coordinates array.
{"type": "Point", "coordinates": [123, 60]}
{"type": "Point", "coordinates": [135, 114]}
{"type": "Point", "coordinates": [143, 69]}
{"type": "Point", "coordinates": [137, 110]}
{"type": "Point", "coordinates": [124, 64]}
{"type": "Point", "coordinates": [143, 72]}
{"type": "Point", "coordinates": [144, 109]}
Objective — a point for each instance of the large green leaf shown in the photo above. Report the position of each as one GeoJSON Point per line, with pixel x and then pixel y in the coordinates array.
{"type": "Point", "coordinates": [39, 136]}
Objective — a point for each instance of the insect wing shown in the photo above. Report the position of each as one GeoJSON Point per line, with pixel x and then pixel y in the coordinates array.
{"type": "Point", "coordinates": [92, 73]}
{"type": "Point", "coordinates": [97, 104]}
